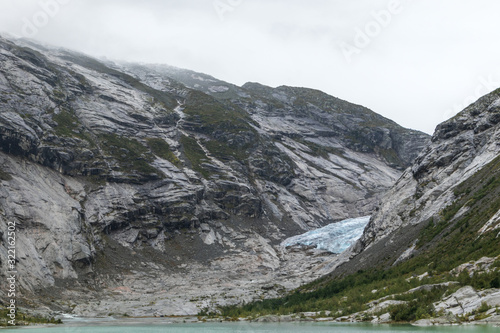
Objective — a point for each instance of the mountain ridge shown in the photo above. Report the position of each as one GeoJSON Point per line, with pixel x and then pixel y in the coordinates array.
{"type": "Point", "coordinates": [152, 187]}
{"type": "Point", "coordinates": [430, 253]}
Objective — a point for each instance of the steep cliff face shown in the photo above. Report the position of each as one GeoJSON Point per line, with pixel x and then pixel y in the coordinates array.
{"type": "Point", "coordinates": [337, 148]}
{"type": "Point", "coordinates": [450, 195]}
{"type": "Point", "coordinates": [127, 178]}
{"type": "Point", "coordinates": [300, 112]}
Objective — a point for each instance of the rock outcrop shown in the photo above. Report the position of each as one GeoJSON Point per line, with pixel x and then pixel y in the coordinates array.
{"type": "Point", "coordinates": [451, 190]}
{"type": "Point", "coordinates": [126, 179]}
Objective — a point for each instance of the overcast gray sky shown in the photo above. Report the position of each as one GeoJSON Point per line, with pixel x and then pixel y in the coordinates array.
{"type": "Point", "coordinates": [416, 62]}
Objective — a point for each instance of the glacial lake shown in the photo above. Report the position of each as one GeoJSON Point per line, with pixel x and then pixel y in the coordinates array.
{"type": "Point", "coordinates": [257, 328]}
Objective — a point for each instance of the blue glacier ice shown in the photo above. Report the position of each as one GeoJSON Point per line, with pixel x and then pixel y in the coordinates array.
{"type": "Point", "coordinates": [335, 237]}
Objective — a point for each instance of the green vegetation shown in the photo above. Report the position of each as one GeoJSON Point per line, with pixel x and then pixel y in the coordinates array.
{"type": "Point", "coordinates": [4, 175]}
{"type": "Point", "coordinates": [478, 314]}
{"type": "Point", "coordinates": [418, 306]}
{"type": "Point", "coordinates": [194, 154]}
{"type": "Point", "coordinates": [130, 153]}
{"type": "Point", "coordinates": [444, 245]}
{"type": "Point", "coordinates": [226, 124]}
{"type": "Point", "coordinates": [68, 124]}
{"type": "Point", "coordinates": [214, 115]}
{"type": "Point", "coordinates": [457, 239]}
{"type": "Point", "coordinates": [344, 296]}
{"type": "Point", "coordinates": [430, 232]}
{"type": "Point", "coordinates": [483, 308]}
{"type": "Point", "coordinates": [303, 96]}
{"type": "Point", "coordinates": [224, 152]}
{"type": "Point", "coordinates": [81, 79]}
{"type": "Point", "coordinates": [390, 156]}
{"type": "Point", "coordinates": [59, 95]}
{"type": "Point", "coordinates": [23, 319]}
{"type": "Point", "coordinates": [489, 186]}
{"type": "Point", "coordinates": [161, 149]}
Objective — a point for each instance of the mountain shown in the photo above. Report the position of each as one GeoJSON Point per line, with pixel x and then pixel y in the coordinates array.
{"type": "Point", "coordinates": [151, 190]}
{"type": "Point", "coordinates": [430, 253]}
{"type": "Point", "coordinates": [450, 191]}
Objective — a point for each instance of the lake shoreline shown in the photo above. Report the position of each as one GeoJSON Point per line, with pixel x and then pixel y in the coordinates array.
{"type": "Point", "coordinates": [170, 320]}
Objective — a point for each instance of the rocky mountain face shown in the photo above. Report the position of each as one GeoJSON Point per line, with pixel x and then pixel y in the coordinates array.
{"type": "Point", "coordinates": [169, 189]}
{"type": "Point", "coordinates": [447, 200]}
{"type": "Point", "coordinates": [430, 254]}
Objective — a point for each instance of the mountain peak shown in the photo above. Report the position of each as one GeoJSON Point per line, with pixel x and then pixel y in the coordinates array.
{"type": "Point", "coordinates": [176, 172]}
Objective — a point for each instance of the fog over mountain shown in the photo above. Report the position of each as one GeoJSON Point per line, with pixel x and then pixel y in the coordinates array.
{"type": "Point", "coordinates": [250, 161]}
{"type": "Point", "coordinates": [416, 62]}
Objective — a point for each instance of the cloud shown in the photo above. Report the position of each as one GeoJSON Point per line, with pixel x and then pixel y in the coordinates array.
{"type": "Point", "coordinates": [413, 70]}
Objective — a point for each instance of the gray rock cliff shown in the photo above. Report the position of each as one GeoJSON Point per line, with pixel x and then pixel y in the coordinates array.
{"type": "Point", "coordinates": [450, 191]}
{"type": "Point", "coordinates": [129, 179]}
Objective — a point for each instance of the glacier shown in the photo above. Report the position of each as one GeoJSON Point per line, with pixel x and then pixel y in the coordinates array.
{"type": "Point", "coordinates": [335, 237]}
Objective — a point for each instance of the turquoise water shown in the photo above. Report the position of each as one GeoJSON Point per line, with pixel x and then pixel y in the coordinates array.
{"type": "Point", "coordinates": [259, 328]}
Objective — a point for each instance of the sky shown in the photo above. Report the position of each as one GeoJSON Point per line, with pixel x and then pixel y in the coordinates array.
{"type": "Point", "coordinates": [417, 62]}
